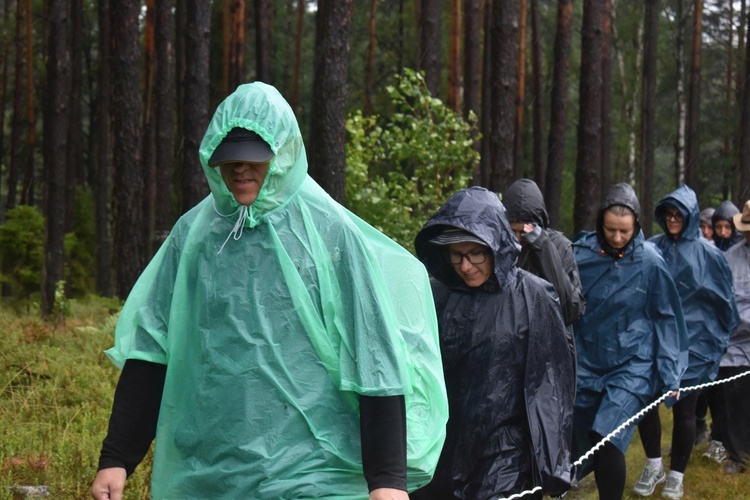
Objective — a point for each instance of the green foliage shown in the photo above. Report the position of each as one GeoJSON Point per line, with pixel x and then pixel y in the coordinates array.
{"type": "Point", "coordinates": [80, 245]}
{"type": "Point", "coordinates": [22, 251]}
{"type": "Point", "coordinates": [401, 168]}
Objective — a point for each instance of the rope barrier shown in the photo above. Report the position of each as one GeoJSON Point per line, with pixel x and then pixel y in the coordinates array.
{"type": "Point", "coordinates": [630, 421]}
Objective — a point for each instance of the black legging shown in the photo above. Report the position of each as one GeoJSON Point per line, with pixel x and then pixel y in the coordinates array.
{"type": "Point", "coordinates": [683, 432]}
{"type": "Point", "coordinates": [609, 469]}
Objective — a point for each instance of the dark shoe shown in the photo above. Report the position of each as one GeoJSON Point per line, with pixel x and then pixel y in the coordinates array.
{"type": "Point", "coordinates": [732, 467]}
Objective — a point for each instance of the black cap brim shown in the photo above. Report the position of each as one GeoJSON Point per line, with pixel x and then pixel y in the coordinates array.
{"type": "Point", "coordinates": [241, 145]}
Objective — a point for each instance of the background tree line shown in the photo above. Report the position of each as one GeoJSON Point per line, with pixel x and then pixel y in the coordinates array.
{"type": "Point", "coordinates": [105, 102]}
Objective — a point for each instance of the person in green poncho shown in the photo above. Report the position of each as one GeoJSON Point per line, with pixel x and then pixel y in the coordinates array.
{"type": "Point", "coordinates": [276, 346]}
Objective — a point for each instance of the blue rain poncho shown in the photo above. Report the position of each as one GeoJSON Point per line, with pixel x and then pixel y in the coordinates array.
{"type": "Point", "coordinates": [510, 381]}
{"type": "Point", "coordinates": [704, 282]}
{"type": "Point", "coordinates": [272, 320]}
{"type": "Point", "coordinates": [631, 342]}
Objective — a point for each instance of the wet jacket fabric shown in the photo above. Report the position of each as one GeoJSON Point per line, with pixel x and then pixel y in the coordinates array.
{"type": "Point", "coordinates": [632, 341]}
{"type": "Point", "coordinates": [272, 320]}
{"type": "Point", "coordinates": [507, 370]}
{"type": "Point", "coordinates": [726, 211]}
{"type": "Point", "coordinates": [549, 255]}
{"type": "Point", "coordinates": [738, 351]}
{"type": "Point", "coordinates": [704, 282]}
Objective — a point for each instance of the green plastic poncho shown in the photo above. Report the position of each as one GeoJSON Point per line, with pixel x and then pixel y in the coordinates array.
{"type": "Point", "coordinates": [272, 319]}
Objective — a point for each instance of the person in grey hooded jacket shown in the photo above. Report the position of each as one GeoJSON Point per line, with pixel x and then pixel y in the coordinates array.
{"type": "Point", "coordinates": [508, 374]}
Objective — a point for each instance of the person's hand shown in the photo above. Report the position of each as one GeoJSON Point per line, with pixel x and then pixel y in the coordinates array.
{"type": "Point", "coordinates": [109, 483]}
{"type": "Point", "coordinates": [527, 228]}
{"type": "Point", "coordinates": [388, 494]}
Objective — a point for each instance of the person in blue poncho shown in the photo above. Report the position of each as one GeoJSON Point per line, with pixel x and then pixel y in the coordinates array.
{"type": "Point", "coordinates": [631, 342]}
{"type": "Point", "coordinates": [704, 282]}
{"type": "Point", "coordinates": [506, 359]}
{"type": "Point", "coordinates": [276, 346]}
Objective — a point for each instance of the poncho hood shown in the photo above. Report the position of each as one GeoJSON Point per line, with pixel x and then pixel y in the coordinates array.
{"type": "Point", "coordinates": [619, 194]}
{"type": "Point", "coordinates": [480, 212]}
{"type": "Point", "coordinates": [684, 200]}
{"type": "Point", "coordinates": [262, 109]}
{"type": "Point", "coordinates": [726, 211]}
{"type": "Point", "coordinates": [525, 203]}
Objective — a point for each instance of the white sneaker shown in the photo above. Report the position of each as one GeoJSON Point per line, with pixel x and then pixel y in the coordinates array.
{"type": "Point", "coordinates": [716, 452]}
{"type": "Point", "coordinates": [650, 477]}
{"type": "Point", "coordinates": [673, 488]}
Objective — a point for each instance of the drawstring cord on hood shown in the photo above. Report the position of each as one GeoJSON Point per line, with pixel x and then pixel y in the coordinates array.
{"type": "Point", "coordinates": [238, 226]}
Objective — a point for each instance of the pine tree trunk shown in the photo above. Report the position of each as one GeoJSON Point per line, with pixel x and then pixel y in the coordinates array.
{"type": "Point", "coordinates": [485, 163]}
{"type": "Point", "coordinates": [681, 106]}
{"type": "Point", "coordinates": [538, 96]}
{"type": "Point", "coordinates": [148, 198]}
{"type": "Point", "coordinates": [520, 94]}
{"type": "Point", "coordinates": [294, 101]}
{"type": "Point", "coordinates": [127, 175]}
{"type": "Point", "coordinates": [472, 71]}
{"type": "Point", "coordinates": [370, 57]}
{"type": "Point", "coordinates": [605, 169]}
{"type": "Point", "coordinates": [56, 122]}
{"type": "Point", "coordinates": [430, 44]}
{"type": "Point", "coordinates": [503, 92]}
{"type": "Point", "coordinates": [164, 97]}
{"type": "Point", "coordinates": [262, 41]}
{"type": "Point", "coordinates": [692, 150]}
{"type": "Point", "coordinates": [19, 123]}
{"type": "Point", "coordinates": [558, 108]}
{"type": "Point", "coordinates": [454, 58]}
{"type": "Point", "coordinates": [103, 186]}
{"type": "Point", "coordinates": [195, 106]}
{"type": "Point", "coordinates": [4, 91]}
{"type": "Point", "coordinates": [327, 145]}
{"type": "Point", "coordinates": [27, 194]}
{"type": "Point", "coordinates": [648, 114]}
{"type": "Point", "coordinates": [744, 156]}
{"type": "Point", "coordinates": [589, 121]}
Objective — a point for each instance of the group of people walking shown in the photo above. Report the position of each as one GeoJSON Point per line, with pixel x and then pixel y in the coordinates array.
{"type": "Point", "coordinates": [277, 346]}
{"type": "Point", "coordinates": [642, 318]}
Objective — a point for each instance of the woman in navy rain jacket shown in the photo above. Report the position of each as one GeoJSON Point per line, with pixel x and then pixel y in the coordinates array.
{"type": "Point", "coordinates": [507, 368]}
{"type": "Point", "coordinates": [704, 282]}
{"type": "Point", "coordinates": [631, 342]}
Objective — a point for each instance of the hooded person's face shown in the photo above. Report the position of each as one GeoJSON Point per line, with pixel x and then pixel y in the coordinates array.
{"type": "Point", "coordinates": [707, 230]}
{"type": "Point", "coordinates": [244, 180]}
{"type": "Point", "coordinates": [723, 229]}
{"type": "Point", "coordinates": [674, 221]}
{"type": "Point", "coordinates": [618, 229]}
{"type": "Point", "coordinates": [472, 262]}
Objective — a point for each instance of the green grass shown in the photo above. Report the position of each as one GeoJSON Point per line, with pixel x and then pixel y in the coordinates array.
{"type": "Point", "coordinates": [56, 389]}
{"type": "Point", "coordinates": [704, 479]}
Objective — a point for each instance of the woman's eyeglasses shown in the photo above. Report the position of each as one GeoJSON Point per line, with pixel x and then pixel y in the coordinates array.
{"type": "Point", "coordinates": [675, 216]}
{"type": "Point", "coordinates": [474, 257]}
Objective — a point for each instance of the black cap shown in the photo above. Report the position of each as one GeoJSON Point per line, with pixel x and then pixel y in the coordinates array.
{"type": "Point", "coordinates": [241, 145]}
{"type": "Point", "coordinates": [455, 235]}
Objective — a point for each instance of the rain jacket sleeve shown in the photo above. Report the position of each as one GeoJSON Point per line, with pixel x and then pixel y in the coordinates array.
{"type": "Point", "coordinates": [553, 269]}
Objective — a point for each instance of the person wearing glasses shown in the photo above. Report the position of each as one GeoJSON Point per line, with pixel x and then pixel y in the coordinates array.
{"type": "Point", "coordinates": [631, 342]}
{"type": "Point", "coordinates": [506, 361]}
{"type": "Point", "coordinates": [704, 282]}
